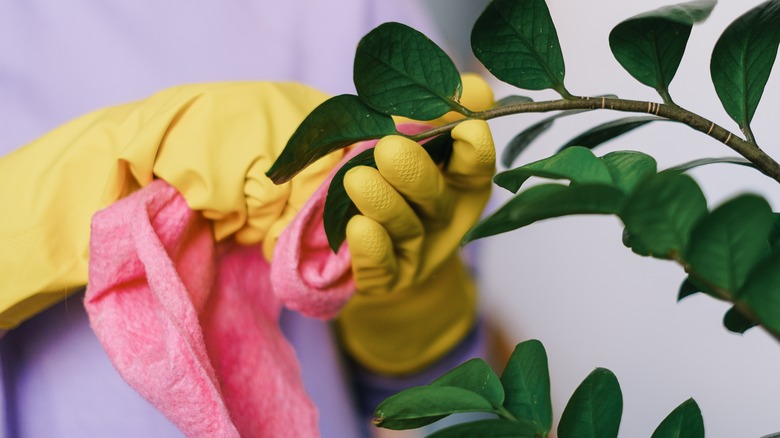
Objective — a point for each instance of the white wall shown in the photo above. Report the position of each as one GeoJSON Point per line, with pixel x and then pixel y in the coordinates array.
{"type": "Point", "coordinates": [570, 282]}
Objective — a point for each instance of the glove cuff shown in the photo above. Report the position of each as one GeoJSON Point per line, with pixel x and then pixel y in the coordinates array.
{"type": "Point", "coordinates": [405, 331]}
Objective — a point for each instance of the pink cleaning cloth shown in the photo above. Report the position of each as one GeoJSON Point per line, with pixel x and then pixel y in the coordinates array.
{"type": "Point", "coordinates": [193, 328]}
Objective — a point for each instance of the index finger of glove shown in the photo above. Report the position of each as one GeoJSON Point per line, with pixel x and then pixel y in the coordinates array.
{"type": "Point", "coordinates": [473, 160]}
{"type": "Point", "coordinates": [412, 172]}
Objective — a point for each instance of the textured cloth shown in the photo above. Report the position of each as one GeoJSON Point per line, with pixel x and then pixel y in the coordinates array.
{"type": "Point", "coordinates": [193, 328]}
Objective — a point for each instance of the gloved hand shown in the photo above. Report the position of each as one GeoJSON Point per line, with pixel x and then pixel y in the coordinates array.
{"type": "Point", "coordinates": [416, 298]}
{"type": "Point", "coordinates": [213, 142]}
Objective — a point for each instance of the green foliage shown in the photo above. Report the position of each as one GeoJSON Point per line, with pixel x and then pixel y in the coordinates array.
{"type": "Point", "coordinates": [399, 71]}
{"type": "Point", "coordinates": [685, 421]}
{"type": "Point", "coordinates": [730, 253]}
{"type": "Point", "coordinates": [651, 45]}
{"type": "Point", "coordinates": [742, 61]}
{"type": "Point", "coordinates": [517, 42]}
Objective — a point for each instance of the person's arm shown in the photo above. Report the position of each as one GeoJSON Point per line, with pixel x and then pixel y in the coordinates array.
{"type": "Point", "coordinates": [213, 142]}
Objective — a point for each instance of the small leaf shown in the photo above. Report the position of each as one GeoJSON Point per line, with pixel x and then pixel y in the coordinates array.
{"type": "Point", "coordinates": [512, 100]}
{"type": "Point", "coordinates": [526, 380]}
{"type": "Point", "coordinates": [661, 212]}
{"type": "Point", "coordinates": [339, 208]}
{"type": "Point", "coordinates": [497, 428]}
{"type": "Point", "coordinates": [399, 71]}
{"type": "Point", "coordinates": [761, 292]}
{"type": "Point", "coordinates": [687, 288]}
{"type": "Point", "coordinates": [651, 45]}
{"type": "Point", "coordinates": [742, 60]}
{"type": "Point", "coordinates": [685, 421]}
{"type": "Point", "coordinates": [684, 167]}
{"type": "Point", "coordinates": [726, 244]}
{"type": "Point", "coordinates": [736, 322]}
{"type": "Point", "coordinates": [421, 405]}
{"type": "Point", "coordinates": [609, 130]}
{"type": "Point", "coordinates": [576, 164]}
{"type": "Point", "coordinates": [627, 168]}
{"type": "Point", "coordinates": [338, 122]}
{"type": "Point", "coordinates": [474, 375]}
{"type": "Point", "coordinates": [517, 42]}
{"type": "Point", "coordinates": [595, 408]}
{"type": "Point", "coordinates": [521, 141]}
{"type": "Point", "coordinates": [547, 201]}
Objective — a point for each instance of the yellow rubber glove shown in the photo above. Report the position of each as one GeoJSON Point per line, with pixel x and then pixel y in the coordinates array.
{"type": "Point", "coordinates": [213, 142]}
{"type": "Point", "coordinates": [405, 242]}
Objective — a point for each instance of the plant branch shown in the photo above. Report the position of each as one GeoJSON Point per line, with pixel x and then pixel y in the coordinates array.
{"type": "Point", "coordinates": [750, 151]}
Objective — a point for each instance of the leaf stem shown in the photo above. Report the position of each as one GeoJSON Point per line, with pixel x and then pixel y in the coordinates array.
{"type": "Point", "coordinates": [747, 149]}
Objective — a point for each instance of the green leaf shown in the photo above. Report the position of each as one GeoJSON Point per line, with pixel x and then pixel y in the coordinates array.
{"type": "Point", "coordinates": [627, 168]}
{"type": "Point", "coordinates": [661, 212]}
{"type": "Point", "coordinates": [422, 405]}
{"type": "Point", "coordinates": [726, 244]}
{"type": "Point", "coordinates": [494, 428]}
{"type": "Point", "coordinates": [576, 164]}
{"type": "Point", "coordinates": [609, 130]}
{"type": "Point", "coordinates": [474, 375]}
{"type": "Point", "coordinates": [774, 234]}
{"type": "Point", "coordinates": [685, 421]}
{"type": "Point", "coordinates": [521, 141]}
{"type": "Point", "coordinates": [651, 45]}
{"type": "Point", "coordinates": [547, 201]}
{"type": "Point", "coordinates": [399, 71]}
{"type": "Point", "coordinates": [736, 322]}
{"type": "Point", "coordinates": [761, 292]}
{"type": "Point", "coordinates": [517, 42]}
{"type": "Point", "coordinates": [338, 122]}
{"type": "Point", "coordinates": [526, 380]}
{"type": "Point", "coordinates": [595, 408]}
{"type": "Point", "coordinates": [687, 288]}
{"type": "Point", "coordinates": [742, 61]}
{"type": "Point", "coordinates": [339, 208]}
{"type": "Point", "coordinates": [684, 167]}
{"type": "Point", "coordinates": [512, 100]}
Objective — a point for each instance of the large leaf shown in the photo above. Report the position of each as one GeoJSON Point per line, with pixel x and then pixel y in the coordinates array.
{"type": "Point", "coordinates": [517, 42]}
{"type": "Point", "coordinates": [761, 292]}
{"type": "Point", "coordinates": [660, 214]}
{"type": "Point", "coordinates": [727, 243]}
{"type": "Point", "coordinates": [339, 208]}
{"type": "Point", "coordinates": [526, 380]}
{"type": "Point", "coordinates": [338, 122]}
{"type": "Point", "coordinates": [576, 164]}
{"type": "Point", "coordinates": [595, 408]}
{"type": "Point", "coordinates": [627, 168]}
{"type": "Point", "coordinates": [684, 421]}
{"type": "Point", "coordinates": [477, 376]}
{"type": "Point", "coordinates": [421, 405]}
{"type": "Point", "coordinates": [494, 428]}
{"type": "Point", "coordinates": [547, 201]}
{"type": "Point", "coordinates": [609, 130]}
{"type": "Point", "coordinates": [651, 45]}
{"type": "Point", "coordinates": [400, 71]}
{"type": "Point", "coordinates": [743, 58]}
